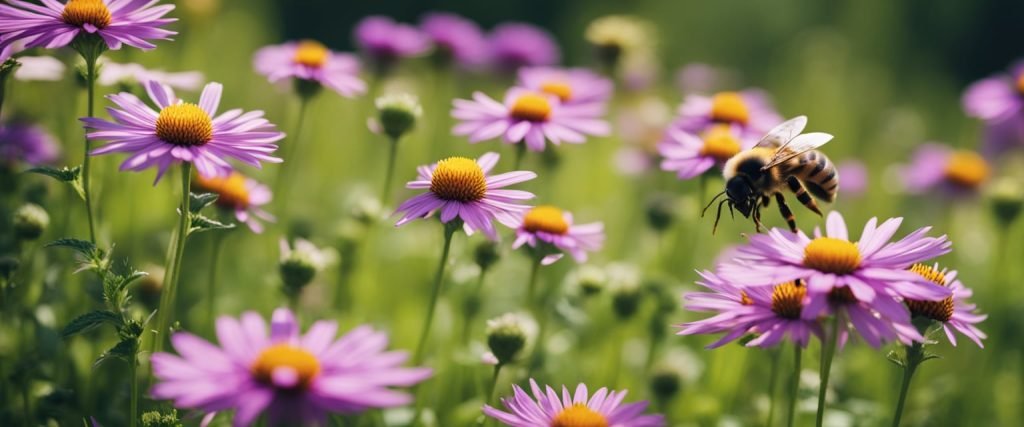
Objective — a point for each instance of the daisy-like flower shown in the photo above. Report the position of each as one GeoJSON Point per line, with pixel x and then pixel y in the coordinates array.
{"type": "Point", "coordinates": [572, 86]}
{"type": "Point", "coordinates": [311, 61]}
{"type": "Point", "coordinates": [456, 38]}
{"type": "Point", "coordinates": [954, 312]}
{"type": "Point", "coordinates": [23, 142]}
{"type": "Point", "coordinates": [551, 231]}
{"type": "Point", "coordinates": [690, 155]}
{"type": "Point", "coordinates": [113, 74]}
{"type": "Point", "coordinates": [725, 299]}
{"type": "Point", "coordinates": [183, 132]}
{"type": "Point", "coordinates": [577, 409]}
{"type": "Point", "coordinates": [749, 109]}
{"type": "Point", "coordinates": [528, 117]}
{"type": "Point", "coordinates": [292, 378]}
{"type": "Point", "coordinates": [515, 44]}
{"type": "Point", "coordinates": [385, 41]}
{"type": "Point", "coordinates": [999, 102]}
{"type": "Point", "coordinates": [39, 68]}
{"type": "Point", "coordinates": [242, 195]}
{"type": "Point", "coordinates": [937, 167]}
{"type": "Point", "coordinates": [54, 24]}
{"type": "Point", "coordinates": [459, 187]}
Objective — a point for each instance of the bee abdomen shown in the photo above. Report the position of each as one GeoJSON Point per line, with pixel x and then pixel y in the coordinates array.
{"type": "Point", "coordinates": [818, 174]}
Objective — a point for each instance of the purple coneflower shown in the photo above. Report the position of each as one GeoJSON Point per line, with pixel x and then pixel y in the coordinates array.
{"type": "Point", "coordinates": [515, 44]}
{"type": "Point", "coordinates": [290, 377]}
{"type": "Point", "coordinates": [954, 312]}
{"type": "Point", "coordinates": [999, 101]}
{"type": "Point", "coordinates": [549, 229]}
{"type": "Point", "coordinates": [690, 155]}
{"type": "Point", "coordinates": [528, 117]}
{"type": "Point", "coordinates": [578, 409]}
{"type": "Point", "coordinates": [939, 167]}
{"type": "Point", "coordinates": [459, 187]}
{"type": "Point", "coordinates": [183, 132]}
{"type": "Point", "coordinates": [750, 110]}
{"type": "Point", "coordinates": [112, 73]}
{"type": "Point", "coordinates": [242, 195]}
{"type": "Point", "coordinates": [725, 299]}
{"type": "Point", "coordinates": [572, 86]}
{"type": "Point", "coordinates": [309, 60]}
{"type": "Point", "coordinates": [385, 41]}
{"type": "Point", "coordinates": [30, 144]}
{"type": "Point", "coordinates": [456, 38]}
{"type": "Point", "coordinates": [53, 24]}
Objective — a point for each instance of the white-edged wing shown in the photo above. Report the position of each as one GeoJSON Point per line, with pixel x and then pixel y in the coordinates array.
{"type": "Point", "coordinates": [783, 133]}
{"type": "Point", "coordinates": [797, 146]}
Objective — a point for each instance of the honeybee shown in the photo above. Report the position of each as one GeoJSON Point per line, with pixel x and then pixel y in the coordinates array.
{"type": "Point", "coordinates": [783, 159]}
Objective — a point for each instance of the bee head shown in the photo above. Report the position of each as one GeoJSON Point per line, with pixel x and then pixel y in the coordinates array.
{"type": "Point", "coordinates": [741, 194]}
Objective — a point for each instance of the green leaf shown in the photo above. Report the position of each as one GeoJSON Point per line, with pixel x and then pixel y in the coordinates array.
{"type": "Point", "coordinates": [198, 201]}
{"type": "Point", "coordinates": [72, 176]}
{"type": "Point", "coordinates": [897, 358]}
{"type": "Point", "coordinates": [202, 223]}
{"type": "Point", "coordinates": [89, 321]}
{"type": "Point", "coordinates": [123, 350]}
{"type": "Point", "coordinates": [84, 247]}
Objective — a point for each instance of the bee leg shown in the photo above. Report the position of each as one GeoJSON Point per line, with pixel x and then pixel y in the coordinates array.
{"type": "Point", "coordinates": [801, 194]}
{"type": "Point", "coordinates": [718, 216]}
{"type": "Point", "coordinates": [786, 212]}
{"type": "Point", "coordinates": [757, 218]}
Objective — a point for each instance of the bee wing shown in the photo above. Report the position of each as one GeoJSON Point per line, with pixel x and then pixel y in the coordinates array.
{"type": "Point", "coordinates": [797, 146]}
{"type": "Point", "coordinates": [780, 135]}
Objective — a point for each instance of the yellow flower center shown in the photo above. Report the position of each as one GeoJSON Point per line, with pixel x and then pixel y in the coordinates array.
{"type": "Point", "coordinates": [745, 299]}
{"type": "Point", "coordinates": [548, 219]}
{"type": "Point", "coordinates": [579, 415]}
{"type": "Point", "coordinates": [302, 363]}
{"type": "Point", "coordinates": [459, 179]}
{"type": "Point", "coordinates": [531, 106]}
{"type": "Point", "coordinates": [967, 169]}
{"type": "Point", "coordinates": [935, 310]}
{"type": "Point", "coordinates": [1020, 83]}
{"type": "Point", "coordinates": [231, 191]}
{"type": "Point", "coordinates": [729, 107]}
{"type": "Point", "coordinates": [788, 299]}
{"type": "Point", "coordinates": [311, 53]}
{"type": "Point", "coordinates": [558, 88]}
{"type": "Point", "coordinates": [831, 255]}
{"type": "Point", "coordinates": [81, 12]}
{"type": "Point", "coordinates": [720, 143]}
{"type": "Point", "coordinates": [184, 124]}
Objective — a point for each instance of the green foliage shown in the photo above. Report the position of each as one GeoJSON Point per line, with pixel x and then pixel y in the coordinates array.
{"type": "Point", "coordinates": [89, 321]}
{"type": "Point", "coordinates": [71, 176]}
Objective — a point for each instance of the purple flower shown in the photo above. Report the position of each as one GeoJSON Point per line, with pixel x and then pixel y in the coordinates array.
{"type": "Point", "coordinates": [938, 167]}
{"type": "Point", "coordinates": [572, 86]}
{"type": "Point", "coordinates": [385, 40]}
{"type": "Point", "coordinates": [516, 44]}
{"type": "Point", "coordinates": [698, 78]}
{"type": "Point", "coordinates": [999, 101]}
{"type": "Point", "coordinates": [456, 38]}
{"type": "Point", "coordinates": [39, 68]}
{"type": "Point", "coordinates": [855, 178]}
{"type": "Point", "coordinates": [183, 132]}
{"type": "Point", "coordinates": [54, 25]}
{"type": "Point", "coordinates": [27, 143]}
{"type": "Point", "coordinates": [750, 110]}
{"type": "Point", "coordinates": [292, 378]}
{"type": "Point", "coordinates": [461, 188]}
{"type": "Point", "coordinates": [548, 408]}
{"type": "Point", "coordinates": [954, 312]}
{"type": "Point", "coordinates": [112, 73]}
{"type": "Point", "coordinates": [547, 228]}
{"type": "Point", "coordinates": [311, 61]}
{"type": "Point", "coordinates": [690, 156]}
{"type": "Point", "coordinates": [527, 116]}
{"type": "Point", "coordinates": [242, 195]}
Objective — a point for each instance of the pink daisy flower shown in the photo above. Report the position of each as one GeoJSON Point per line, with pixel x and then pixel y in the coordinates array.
{"type": "Point", "coordinates": [242, 195]}
{"type": "Point", "coordinates": [547, 408]}
{"type": "Point", "coordinates": [725, 299]}
{"type": "Point", "coordinates": [292, 378]}
{"type": "Point", "coordinates": [952, 313]}
{"type": "Point", "coordinates": [749, 109]}
{"type": "Point", "coordinates": [570, 85]}
{"type": "Point", "coordinates": [691, 155]}
{"type": "Point", "coordinates": [550, 230]}
{"type": "Point", "coordinates": [308, 60]}
{"type": "Point", "coordinates": [183, 132]}
{"type": "Point", "coordinates": [939, 168]}
{"type": "Point", "coordinates": [999, 102]}
{"type": "Point", "coordinates": [528, 117]}
{"type": "Point", "coordinates": [459, 187]}
{"type": "Point", "coordinates": [53, 24]}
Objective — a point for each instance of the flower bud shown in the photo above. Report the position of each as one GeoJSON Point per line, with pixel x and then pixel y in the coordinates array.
{"type": "Point", "coordinates": [30, 221]}
{"type": "Point", "coordinates": [158, 419]}
{"type": "Point", "coordinates": [661, 212]}
{"type": "Point", "coordinates": [486, 254]}
{"type": "Point", "coordinates": [507, 336]}
{"type": "Point", "coordinates": [398, 113]}
{"type": "Point", "coordinates": [1007, 198]}
{"type": "Point", "coordinates": [300, 264]}
{"type": "Point", "coordinates": [617, 36]}
{"type": "Point", "coordinates": [590, 280]}
{"type": "Point", "coordinates": [665, 383]}
{"type": "Point", "coordinates": [624, 282]}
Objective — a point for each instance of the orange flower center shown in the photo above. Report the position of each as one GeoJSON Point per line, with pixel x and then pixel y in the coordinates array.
{"type": "Point", "coordinates": [558, 88]}
{"type": "Point", "coordinates": [548, 219]}
{"type": "Point", "coordinates": [788, 299]}
{"type": "Point", "coordinates": [967, 169]}
{"type": "Point", "coordinates": [936, 310]}
{"type": "Point", "coordinates": [831, 255]}
{"type": "Point", "coordinates": [579, 415]}
{"type": "Point", "coordinates": [81, 12]}
{"type": "Point", "coordinates": [720, 143]}
{"type": "Point", "coordinates": [231, 191]}
{"type": "Point", "coordinates": [531, 106]}
{"type": "Point", "coordinates": [459, 179]}
{"type": "Point", "coordinates": [1020, 83]}
{"type": "Point", "coordinates": [184, 124]}
{"type": "Point", "coordinates": [286, 360]}
{"type": "Point", "coordinates": [729, 107]}
{"type": "Point", "coordinates": [311, 53]}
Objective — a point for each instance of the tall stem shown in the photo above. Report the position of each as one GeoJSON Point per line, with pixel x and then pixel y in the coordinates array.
{"type": "Point", "coordinates": [90, 81]}
{"type": "Point", "coordinates": [520, 154]}
{"type": "Point", "coordinates": [392, 155]}
{"type": "Point", "coordinates": [134, 378]}
{"type": "Point", "coordinates": [531, 285]}
{"type": "Point", "coordinates": [284, 173]}
{"type": "Point", "coordinates": [470, 313]}
{"type": "Point", "coordinates": [170, 288]}
{"type": "Point", "coordinates": [211, 286]}
{"type": "Point", "coordinates": [794, 385]}
{"type": "Point", "coordinates": [772, 380]}
{"type": "Point", "coordinates": [828, 350]}
{"type": "Point", "coordinates": [449, 231]}
{"type": "Point", "coordinates": [915, 355]}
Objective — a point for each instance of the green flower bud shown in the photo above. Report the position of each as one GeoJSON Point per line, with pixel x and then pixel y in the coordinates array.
{"type": "Point", "coordinates": [507, 336]}
{"type": "Point", "coordinates": [486, 254]}
{"type": "Point", "coordinates": [665, 383]}
{"type": "Point", "coordinates": [591, 280]}
{"type": "Point", "coordinates": [300, 264]}
{"type": "Point", "coordinates": [398, 113]}
{"type": "Point", "coordinates": [616, 36]}
{"type": "Point", "coordinates": [1007, 198]}
{"type": "Point", "coordinates": [30, 221]}
{"type": "Point", "coordinates": [624, 282]}
{"type": "Point", "coordinates": [661, 212]}
{"type": "Point", "coordinates": [158, 419]}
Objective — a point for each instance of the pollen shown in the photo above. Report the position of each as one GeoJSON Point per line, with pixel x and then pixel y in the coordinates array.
{"type": "Point", "coordinates": [184, 124]}
{"type": "Point", "coordinates": [534, 107]}
{"type": "Point", "coordinates": [286, 358]}
{"type": "Point", "coordinates": [941, 310]}
{"type": "Point", "coordinates": [231, 191]}
{"type": "Point", "coordinates": [311, 53]}
{"type": "Point", "coordinates": [788, 299]}
{"type": "Point", "coordinates": [967, 169]}
{"type": "Point", "coordinates": [720, 143]}
{"type": "Point", "coordinates": [579, 415]}
{"type": "Point", "coordinates": [558, 88]}
{"type": "Point", "coordinates": [81, 12]}
{"type": "Point", "coordinates": [458, 179]}
{"type": "Point", "coordinates": [745, 299]}
{"type": "Point", "coordinates": [832, 255]}
{"type": "Point", "coordinates": [548, 219]}
{"type": "Point", "coordinates": [729, 107]}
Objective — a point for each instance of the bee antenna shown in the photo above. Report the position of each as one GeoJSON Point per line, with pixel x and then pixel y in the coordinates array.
{"type": "Point", "coordinates": [711, 203]}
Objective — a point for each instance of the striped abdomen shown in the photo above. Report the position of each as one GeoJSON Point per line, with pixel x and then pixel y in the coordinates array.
{"type": "Point", "coordinates": [817, 173]}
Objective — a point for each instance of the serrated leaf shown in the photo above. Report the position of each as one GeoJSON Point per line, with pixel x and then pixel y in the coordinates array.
{"type": "Point", "coordinates": [133, 276]}
{"type": "Point", "coordinates": [123, 350]}
{"type": "Point", "coordinates": [896, 358]}
{"type": "Point", "coordinates": [71, 176]}
{"type": "Point", "coordinates": [83, 247]}
{"type": "Point", "coordinates": [198, 201]}
{"type": "Point", "coordinates": [202, 223]}
{"type": "Point", "coordinates": [930, 356]}
{"type": "Point", "coordinates": [89, 321]}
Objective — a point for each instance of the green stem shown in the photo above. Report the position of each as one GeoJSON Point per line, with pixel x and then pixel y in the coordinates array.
{"type": "Point", "coordinates": [828, 350]}
{"type": "Point", "coordinates": [772, 380]}
{"type": "Point", "coordinates": [392, 156]}
{"type": "Point", "coordinates": [134, 377]}
{"type": "Point", "coordinates": [167, 298]}
{"type": "Point", "coordinates": [915, 355]}
{"type": "Point", "coordinates": [288, 152]}
{"type": "Point", "coordinates": [449, 231]}
{"type": "Point", "coordinates": [211, 297]}
{"type": "Point", "coordinates": [470, 316]}
{"type": "Point", "coordinates": [794, 386]}
{"type": "Point", "coordinates": [90, 79]}
{"type": "Point", "coordinates": [494, 383]}
{"type": "Point", "coordinates": [520, 154]}
{"type": "Point", "coordinates": [531, 285]}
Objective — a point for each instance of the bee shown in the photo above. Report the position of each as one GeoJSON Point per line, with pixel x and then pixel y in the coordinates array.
{"type": "Point", "coordinates": [783, 159]}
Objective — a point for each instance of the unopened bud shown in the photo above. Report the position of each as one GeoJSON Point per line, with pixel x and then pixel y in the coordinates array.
{"type": "Point", "coordinates": [398, 113]}
{"type": "Point", "coordinates": [486, 254]}
{"type": "Point", "coordinates": [507, 336]}
{"type": "Point", "coordinates": [30, 221]}
{"type": "Point", "coordinates": [1007, 198]}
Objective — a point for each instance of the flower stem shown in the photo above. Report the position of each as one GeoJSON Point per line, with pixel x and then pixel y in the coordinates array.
{"type": "Point", "coordinates": [449, 231]}
{"type": "Point", "coordinates": [915, 355]}
{"type": "Point", "coordinates": [134, 377]}
{"type": "Point", "coordinates": [772, 380]}
{"type": "Point", "coordinates": [494, 382]}
{"type": "Point", "coordinates": [828, 350]}
{"type": "Point", "coordinates": [167, 298]}
{"type": "Point", "coordinates": [90, 81]}
{"type": "Point", "coordinates": [794, 386]}
{"type": "Point", "coordinates": [211, 286]}
{"type": "Point", "coordinates": [288, 154]}
{"type": "Point", "coordinates": [520, 154]}
{"type": "Point", "coordinates": [531, 285]}
{"type": "Point", "coordinates": [392, 156]}
{"type": "Point", "coordinates": [470, 313]}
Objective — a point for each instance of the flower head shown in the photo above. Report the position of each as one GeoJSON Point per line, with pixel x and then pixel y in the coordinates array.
{"type": "Point", "coordinates": [750, 110]}
{"type": "Point", "coordinates": [999, 102]}
{"type": "Point", "coordinates": [690, 155]}
{"type": "Point", "coordinates": [461, 188]}
{"type": "Point", "coordinates": [616, 36]}
{"type": "Point", "coordinates": [112, 74]}
{"type": "Point", "coordinates": [398, 113]}
{"type": "Point", "coordinates": [291, 377]}
{"type": "Point", "coordinates": [516, 44]}
{"type": "Point", "coordinates": [528, 117]}
{"type": "Point", "coordinates": [551, 231]}
{"type": "Point", "coordinates": [578, 409]}
{"type": "Point", "coordinates": [952, 313]}
{"type": "Point", "coordinates": [572, 86]}
{"type": "Point", "coordinates": [311, 61]}
{"type": "Point", "coordinates": [242, 195]}
{"type": "Point", "coordinates": [509, 335]}
{"type": "Point", "coordinates": [855, 177]}
{"type": "Point", "coordinates": [938, 167]}
{"type": "Point", "coordinates": [456, 38]}
{"type": "Point", "coordinates": [53, 24]}
{"type": "Point", "coordinates": [23, 142]}
{"type": "Point", "coordinates": [385, 40]}
{"type": "Point", "coordinates": [183, 132]}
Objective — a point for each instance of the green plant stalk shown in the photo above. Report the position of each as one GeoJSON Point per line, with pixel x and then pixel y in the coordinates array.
{"type": "Point", "coordinates": [915, 355]}
{"type": "Point", "coordinates": [435, 293]}
{"type": "Point", "coordinates": [531, 284]}
{"type": "Point", "coordinates": [467, 322]}
{"type": "Point", "coordinates": [133, 372]}
{"type": "Point", "coordinates": [392, 156]}
{"type": "Point", "coordinates": [167, 298]}
{"type": "Point", "coordinates": [490, 391]}
{"type": "Point", "coordinates": [794, 386]}
{"type": "Point", "coordinates": [288, 152]}
{"type": "Point", "coordinates": [772, 380]}
{"type": "Point", "coordinates": [828, 351]}
{"type": "Point", "coordinates": [520, 154]}
{"type": "Point", "coordinates": [211, 297]}
{"type": "Point", "coordinates": [90, 81]}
